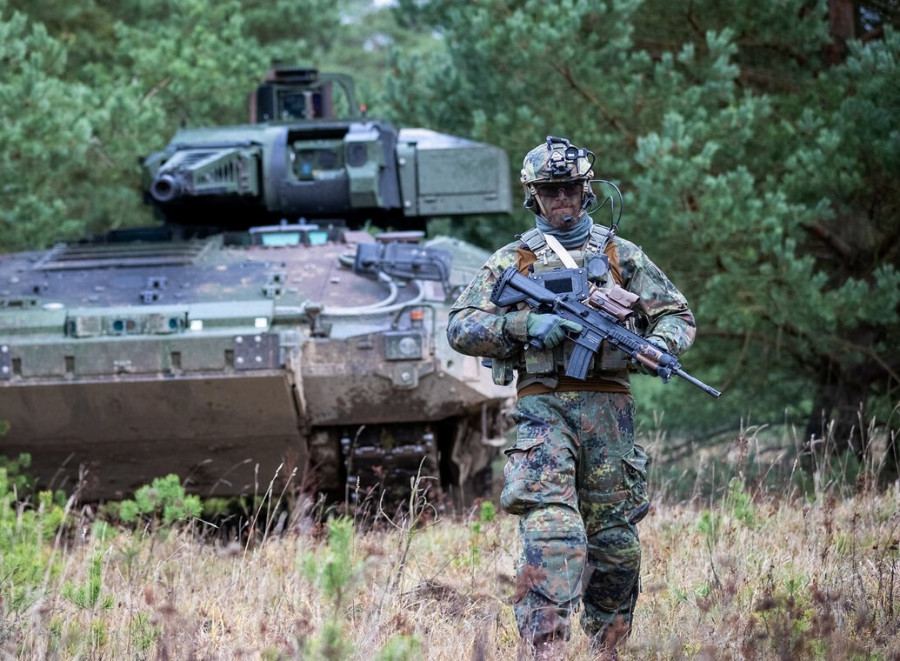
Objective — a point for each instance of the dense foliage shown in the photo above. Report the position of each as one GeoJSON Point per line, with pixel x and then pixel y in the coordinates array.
{"type": "Point", "coordinates": [88, 88]}
{"type": "Point", "coordinates": [758, 149]}
{"type": "Point", "coordinates": [759, 152]}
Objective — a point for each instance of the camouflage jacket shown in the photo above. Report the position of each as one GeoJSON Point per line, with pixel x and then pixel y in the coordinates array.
{"type": "Point", "coordinates": [479, 328]}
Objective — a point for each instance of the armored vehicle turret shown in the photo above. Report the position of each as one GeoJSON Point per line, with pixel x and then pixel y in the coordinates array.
{"type": "Point", "coordinates": [259, 333]}
{"type": "Point", "coordinates": [302, 162]}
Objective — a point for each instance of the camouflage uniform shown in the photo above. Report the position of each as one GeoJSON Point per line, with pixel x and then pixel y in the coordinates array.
{"type": "Point", "coordinates": [574, 477]}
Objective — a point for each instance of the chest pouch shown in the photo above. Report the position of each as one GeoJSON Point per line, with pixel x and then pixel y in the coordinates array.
{"type": "Point", "coordinates": [565, 281]}
{"type": "Point", "coordinates": [541, 361]}
{"type": "Point", "coordinates": [597, 266]}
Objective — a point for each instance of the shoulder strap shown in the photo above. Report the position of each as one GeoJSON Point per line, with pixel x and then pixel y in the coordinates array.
{"type": "Point", "coordinates": [534, 239]}
{"type": "Point", "coordinates": [561, 252]}
{"type": "Point", "coordinates": [599, 238]}
{"type": "Point", "coordinates": [538, 243]}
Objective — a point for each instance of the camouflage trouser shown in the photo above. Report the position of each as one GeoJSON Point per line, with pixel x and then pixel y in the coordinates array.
{"type": "Point", "coordinates": [578, 483]}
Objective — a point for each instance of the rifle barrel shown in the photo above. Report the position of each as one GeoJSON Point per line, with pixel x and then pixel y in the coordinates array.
{"type": "Point", "coordinates": [697, 382]}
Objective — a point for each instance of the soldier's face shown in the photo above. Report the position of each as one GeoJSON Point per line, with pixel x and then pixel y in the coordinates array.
{"type": "Point", "coordinates": [561, 202]}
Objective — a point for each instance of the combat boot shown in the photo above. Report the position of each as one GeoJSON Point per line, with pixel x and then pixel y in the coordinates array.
{"type": "Point", "coordinates": [603, 653]}
{"type": "Point", "coordinates": [603, 646]}
{"type": "Point", "coordinates": [550, 650]}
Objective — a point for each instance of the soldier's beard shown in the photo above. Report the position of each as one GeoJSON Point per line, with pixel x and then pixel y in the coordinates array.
{"type": "Point", "coordinates": [570, 236]}
{"type": "Point", "coordinates": [562, 219]}
{"type": "Point", "coordinates": [561, 214]}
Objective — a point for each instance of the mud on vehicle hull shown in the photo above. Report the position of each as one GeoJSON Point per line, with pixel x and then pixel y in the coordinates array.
{"type": "Point", "coordinates": [246, 364]}
{"type": "Point", "coordinates": [253, 337]}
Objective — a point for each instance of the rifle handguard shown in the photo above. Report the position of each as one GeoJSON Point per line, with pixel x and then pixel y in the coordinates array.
{"type": "Point", "coordinates": [657, 360]}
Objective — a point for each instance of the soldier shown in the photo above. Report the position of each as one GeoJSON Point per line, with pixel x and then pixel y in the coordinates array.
{"type": "Point", "coordinates": [574, 477]}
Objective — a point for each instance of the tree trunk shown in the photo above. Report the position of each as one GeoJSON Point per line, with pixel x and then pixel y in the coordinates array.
{"type": "Point", "coordinates": [837, 422]}
{"type": "Point", "coordinates": [841, 26]}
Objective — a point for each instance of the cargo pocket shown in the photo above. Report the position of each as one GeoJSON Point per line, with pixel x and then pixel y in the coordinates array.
{"type": "Point", "coordinates": [554, 548]}
{"type": "Point", "coordinates": [533, 479]}
{"type": "Point", "coordinates": [522, 475]}
{"type": "Point", "coordinates": [636, 465]}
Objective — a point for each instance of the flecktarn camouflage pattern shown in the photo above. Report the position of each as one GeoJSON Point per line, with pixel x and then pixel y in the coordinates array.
{"type": "Point", "coordinates": [479, 328]}
{"type": "Point", "coordinates": [574, 476]}
{"type": "Point", "coordinates": [578, 482]}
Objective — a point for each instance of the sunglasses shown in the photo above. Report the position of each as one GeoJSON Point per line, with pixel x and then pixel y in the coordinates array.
{"type": "Point", "coordinates": [569, 189]}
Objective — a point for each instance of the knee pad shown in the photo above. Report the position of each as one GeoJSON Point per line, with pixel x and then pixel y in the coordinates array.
{"type": "Point", "coordinates": [553, 553]}
{"type": "Point", "coordinates": [612, 572]}
{"type": "Point", "coordinates": [549, 582]}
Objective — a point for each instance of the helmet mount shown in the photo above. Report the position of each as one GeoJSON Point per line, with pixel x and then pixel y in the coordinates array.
{"type": "Point", "coordinates": [562, 161]}
{"type": "Point", "coordinates": [557, 161]}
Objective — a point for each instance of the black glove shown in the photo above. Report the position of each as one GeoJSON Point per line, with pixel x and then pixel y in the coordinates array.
{"type": "Point", "coordinates": [545, 331]}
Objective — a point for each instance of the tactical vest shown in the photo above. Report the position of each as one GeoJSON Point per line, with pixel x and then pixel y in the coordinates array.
{"type": "Point", "coordinates": [546, 366]}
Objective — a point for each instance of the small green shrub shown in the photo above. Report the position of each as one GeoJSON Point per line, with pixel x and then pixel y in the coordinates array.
{"type": "Point", "coordinates": [709, 524]}
{"type": "Point", "coordinates": [739, 504]}
{"type": "Point", "coordinates": [486, 514]}
{"type": "Point", "coordinates": [165, 497]}
{"type": "Point", "coordinates": [142, 633]}
{"type": "Point", "coordinates": [15, 479]}
{"type": "Point", "coordinates": [89, 595]}
{"type": "Point", "coordinates": [25, 560]}
{"type": "Point", "coordinates": [736, 506]}
{"type": "Point", "coordinates": [401, 648]}
{"type": "Point", "coordinates": [332, 643]}
{"type": "Point", "coordinates": [334, 574]}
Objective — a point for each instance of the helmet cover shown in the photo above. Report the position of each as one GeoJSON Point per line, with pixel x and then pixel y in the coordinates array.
{"type": "Point", "coordinates": [556, 161]}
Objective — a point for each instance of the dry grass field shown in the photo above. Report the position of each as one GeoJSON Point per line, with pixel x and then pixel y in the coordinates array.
{"type": "Point", "coordinates": [745, 572]}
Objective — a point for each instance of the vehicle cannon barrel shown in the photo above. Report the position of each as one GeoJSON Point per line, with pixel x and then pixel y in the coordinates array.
{"type": "Point", "coordinates": [204, 170]}
{"type": "Point", "coordinates": [167, 187]}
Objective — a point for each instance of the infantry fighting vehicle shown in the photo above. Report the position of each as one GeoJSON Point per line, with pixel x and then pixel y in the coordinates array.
{"type": "Point", "coordinates": [261, 333]}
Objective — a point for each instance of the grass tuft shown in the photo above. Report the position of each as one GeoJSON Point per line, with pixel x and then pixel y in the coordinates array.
{"type": "Point", "coordinates": [748, 562]}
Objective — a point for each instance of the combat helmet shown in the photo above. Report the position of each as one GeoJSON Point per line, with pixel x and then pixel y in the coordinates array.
{"type": "Point", "coordinates": [557, 161]}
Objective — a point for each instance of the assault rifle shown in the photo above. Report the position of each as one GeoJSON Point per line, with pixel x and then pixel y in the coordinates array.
{"type": "Point", "coordinates": [599, 321]}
